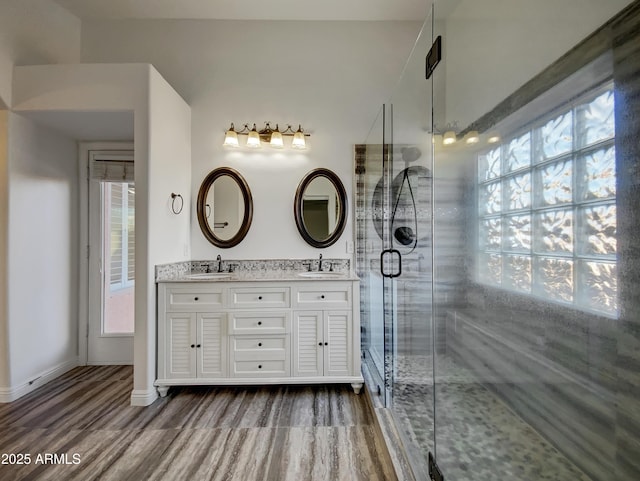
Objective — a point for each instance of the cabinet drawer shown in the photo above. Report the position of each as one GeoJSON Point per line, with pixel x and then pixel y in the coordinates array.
{"type": "Point", "coordinates": [333, 295]}
{"type": "Point", "coordinates": [258, 347]}
{"type": "Point", "coordinates": [250, 297]}
{"type": "Point", "coordinates": [194, 297]}
{"type": "Point", "coordinates": [275, 368]}
{"type": "Point", "coordinates": [259, 323]}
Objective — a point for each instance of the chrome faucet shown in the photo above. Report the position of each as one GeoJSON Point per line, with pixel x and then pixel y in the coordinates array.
{"type": "Point", "coordinates": [219, 259]}
{"type": "Point", "coordinates": [320, 263]}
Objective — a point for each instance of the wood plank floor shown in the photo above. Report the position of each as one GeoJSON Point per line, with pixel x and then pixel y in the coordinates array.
{"type": "Point", "coordinates": [224, 433]}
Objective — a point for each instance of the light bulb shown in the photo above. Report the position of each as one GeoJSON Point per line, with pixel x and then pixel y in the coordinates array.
{"type": "Point", "coordinates": [230, 138]}
{"type": "Point", "coordinates": [298, 141]}
{"type": "Point", "coordinates": [449, 137]}
{"type": "Point", "coordinates": [494, 137]}
{"type": "Point", "coordinates": [276, 139]}
{"type": "Point", "coordinates": [472, 137]}
{"type": "Point", "coordinates": [254, 138]}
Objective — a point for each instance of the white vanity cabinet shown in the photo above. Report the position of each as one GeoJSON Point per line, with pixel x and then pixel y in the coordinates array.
{"type": "Point", "coordinates": [191, 333]}
{"type": "Point", "coordinates": [323, 334]}
{"type": "Point", "coordinates": [322, 343]}
{"type": "Point", "coordinates": [258, 332]}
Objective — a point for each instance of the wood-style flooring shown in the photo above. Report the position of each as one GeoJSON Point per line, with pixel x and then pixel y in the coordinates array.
{"type": "Point", "coordinates": [322, 432]}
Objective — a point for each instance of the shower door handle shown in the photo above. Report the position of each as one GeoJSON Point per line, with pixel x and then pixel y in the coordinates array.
{"type": "Point", "coordinates": [383, 254]}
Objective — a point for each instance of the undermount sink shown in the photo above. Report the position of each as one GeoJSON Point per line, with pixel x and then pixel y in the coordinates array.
{"type": "Point", "coordinates": [320, 275]}
{"type": "Point", "coordinates": [209, 275]}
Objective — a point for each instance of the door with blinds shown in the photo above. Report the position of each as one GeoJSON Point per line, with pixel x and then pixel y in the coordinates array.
{"type": "Point", "coordinates": [111, 257]}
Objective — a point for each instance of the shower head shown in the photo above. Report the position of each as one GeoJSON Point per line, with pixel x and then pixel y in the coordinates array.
{"type": "Point", "coordinates": [404, 235]}
{"type": "Point", "coordinates": [410, 154]}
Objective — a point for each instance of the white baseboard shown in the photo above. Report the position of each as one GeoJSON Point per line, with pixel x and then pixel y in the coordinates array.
{"type": "Point", "coordinates": [119, 363]}
{"type": "Point", "coordinates": [11, 393]}
{"type": "Point", "coordinates": [143, 397]}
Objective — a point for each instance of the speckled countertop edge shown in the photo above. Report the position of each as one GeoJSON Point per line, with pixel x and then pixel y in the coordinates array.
{"type": "Point", "coordinates": [255, 270]}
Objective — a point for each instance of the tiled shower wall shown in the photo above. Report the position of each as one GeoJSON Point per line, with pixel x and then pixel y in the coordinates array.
{"type": "Point", "coordinates": [625, 34]}
{"type": "Point", "coordinates": [574, 376]}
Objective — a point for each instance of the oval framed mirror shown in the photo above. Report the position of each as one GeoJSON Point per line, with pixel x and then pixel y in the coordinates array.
{"type": "Point", "coordinates": [224, 207]}
{"type": "Point", "coordinates": [320, 208]}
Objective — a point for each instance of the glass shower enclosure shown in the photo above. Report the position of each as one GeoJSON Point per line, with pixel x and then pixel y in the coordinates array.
{"type": "Point", "coordinates": [394, 232]}
{"type": "Point", "coordinates": [497, 244]}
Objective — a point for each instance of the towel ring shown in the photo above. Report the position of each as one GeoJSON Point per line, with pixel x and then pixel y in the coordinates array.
{"type": "Point", "coordinates": [173, 203]}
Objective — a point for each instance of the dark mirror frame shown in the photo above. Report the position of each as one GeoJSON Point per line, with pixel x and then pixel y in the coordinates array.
{"type": "Point", "coordinates": [202, 201]}
{"type": "Point", "coordinates": [342, 198]}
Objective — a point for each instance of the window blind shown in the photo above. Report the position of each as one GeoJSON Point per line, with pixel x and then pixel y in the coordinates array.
{"type": "Point", "coordinates": [111, 167]}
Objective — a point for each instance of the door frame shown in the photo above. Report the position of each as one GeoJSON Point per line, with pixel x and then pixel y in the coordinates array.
{"type": "Point", "coordinates": [84, 149]}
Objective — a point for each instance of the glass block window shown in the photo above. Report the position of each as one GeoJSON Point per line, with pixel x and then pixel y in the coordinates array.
{"type": "Point", "coordinates": [547, 207]}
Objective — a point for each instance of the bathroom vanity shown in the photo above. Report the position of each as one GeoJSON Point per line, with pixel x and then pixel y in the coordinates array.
{"type": "Point", "coordinates": [258, 327]}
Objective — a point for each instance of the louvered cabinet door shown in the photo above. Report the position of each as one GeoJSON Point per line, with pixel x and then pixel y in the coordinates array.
{"type": "Point", "coordinates": [211, 348]}
{"type": "Point", "coordinates": [307, 343]}
{"type": "Point", "coordinates": [337, 350]}
{"type": "Point", "coordinates": [180, 337]}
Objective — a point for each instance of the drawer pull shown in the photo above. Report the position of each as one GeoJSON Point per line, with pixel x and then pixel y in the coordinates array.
{"type": "Point", "coordinates": [195, 298]}
{"type": "Point", "coordinates": [326, 343]}
{"type": "Point", "coordinates": [259, 344]}
{"type": "Point", "coordinates": [259, 366]}
{"type": "Point", "coordinates": [259, 298]}
{"type": "Point", "coordinates": [259, 323]}
{"type": "Point", "coordinates": [198, 345]}
{"type": "Point", "coordinates": [192, 346]}
{"type": "Point", "coordinates": [319, 344]}
{"type": "Point", "coordinates": [322, 296]}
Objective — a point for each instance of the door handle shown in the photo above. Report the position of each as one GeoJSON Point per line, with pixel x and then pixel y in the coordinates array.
{"type": "Point", "coordinates": [383, 254]}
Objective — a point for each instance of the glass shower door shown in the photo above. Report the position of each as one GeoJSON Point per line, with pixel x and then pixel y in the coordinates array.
{"type": "Point", "coordinates": [393, 171]}
{"type": "Point", "coordinates": [371, 209]}
{"type": "Point", "coordinates": [408, 137]}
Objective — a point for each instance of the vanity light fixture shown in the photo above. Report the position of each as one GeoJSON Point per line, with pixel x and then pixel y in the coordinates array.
{"type": "Point", "coordinates": [267, 135]}
{"type": "Point", "coordinates": [449, 133]}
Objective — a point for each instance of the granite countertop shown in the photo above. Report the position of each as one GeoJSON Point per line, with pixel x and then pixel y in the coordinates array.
{"type": "Point", "coordinates": [283, 270]}
{"type": "Point", "coordinates": [249, 276]}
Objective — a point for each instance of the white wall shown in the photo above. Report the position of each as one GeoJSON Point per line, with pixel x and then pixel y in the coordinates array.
{"type": "Point", "coordinates": [4, 232]}
{"type": "Point", "coordinates": [492, 47]}
{"type": "Point", "coordinates": [161, 150]}
{"type": "Point", "coordinates": [331, 77]}
{"type": "Point", "coordinates": [34, 32]}
{"type": "Point", "coordinates": [42, 253]}
{"type": "Point", "coordinates": [31, 32]}
{"type": "Point", "coordinates": [167, 235]}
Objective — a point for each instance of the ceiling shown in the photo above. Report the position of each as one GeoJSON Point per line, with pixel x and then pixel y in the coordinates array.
{"type": "Point", "coordinates": [371, 10]}
{"type": "Point", "coordinates": [119, 125]}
